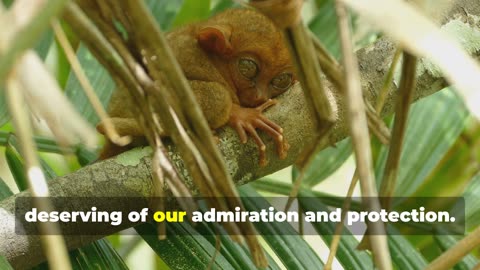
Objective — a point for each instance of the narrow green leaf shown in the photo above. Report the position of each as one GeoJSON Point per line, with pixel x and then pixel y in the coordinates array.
{"type": "Point", "coordinates": [15, 164]}
{"type": "Point", "coordinates": [347, 254]}
{"type": "Point", "coordinates": [100, 80]}
{"type": "Point", "coordinates": [191, 11]}
{"type": "Point", "coordinates": [4, 265]}
{"type": "Point", "coordinates": [472, 203]}
{"type": "Point", "coordinates": [44, 44]}
{"type": "Point", "coordinates": [44, 144]}
{"type": "Point", "coordinates": [47, 170]}
{"type": "Point", "coordinates": [273, 186]}
{"type": "Point", "coordinates": [85, 156]}
{"type": "Point", "coordinates": [5, 191]}
{"type": "Point", "coordinates": [164, 12]}
{"type": "Point", "coordinates": [223, 5]}
{"type": "Point", "coordinates": [326, 162]}
{"type": "Point", "coordinates": [97, 255]}
{"type": "Point", "coordinates": [461, 162]}
{"type": "Point", "coordinates": [4, 116]}
{"type": "Point", "coordinates": [235, 253]}
{"type": "Point", "coordinates": [445, 242]}
{"type": "Point", "coordinates": [59, 64]}
{"type": "Point", "coordinates": [404, 255]}
{"type": "Point", "coordinates": [290, 247]}
{"type": "Point", "coordinates": [433, 126]}
{"type": "Point", "coordinates": [62, 67]}
{"type": "Point", "coordinates": [184, 248]}
{"type": "Point", "coordinates": [324, 26]}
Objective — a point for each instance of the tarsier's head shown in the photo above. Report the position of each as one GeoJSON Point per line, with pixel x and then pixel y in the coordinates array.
{"type": "Point", "coordinates": [252, 51]}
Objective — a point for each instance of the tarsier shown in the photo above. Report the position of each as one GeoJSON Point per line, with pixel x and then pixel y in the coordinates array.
{"type": "Point", "coordinates": [235, 62]}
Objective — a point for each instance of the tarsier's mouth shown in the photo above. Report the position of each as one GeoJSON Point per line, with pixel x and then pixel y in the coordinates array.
{"type": "Point", "coordinates": [253, 103]}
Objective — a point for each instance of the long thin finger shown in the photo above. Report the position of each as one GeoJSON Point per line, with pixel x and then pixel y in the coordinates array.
{"type": "Point", "coordinates": [241, 132]}
{"type": "Point", "coordinates": [272, 124]}
{"type": "Point", "coordinates": [267, 104]}
{"type": "Point", "coordinates": [261, 146]}
{"type": "Point", "coordinates": [282, 145]}
{"type": "Point", "coordinates": [284, 149]}
{"type": "Point", "coordinates": [277, 136]}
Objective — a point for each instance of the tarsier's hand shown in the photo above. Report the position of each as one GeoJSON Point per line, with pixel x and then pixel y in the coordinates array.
{"type": "Point", "coordinates": [247, 120]}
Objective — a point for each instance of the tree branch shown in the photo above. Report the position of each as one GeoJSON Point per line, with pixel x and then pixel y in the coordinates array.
{"type": "Point", "coordinates": [128, 175]}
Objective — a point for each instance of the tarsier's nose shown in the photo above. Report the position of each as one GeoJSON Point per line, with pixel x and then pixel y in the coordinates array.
{"type": "Point", "coordinates": [261, 97]}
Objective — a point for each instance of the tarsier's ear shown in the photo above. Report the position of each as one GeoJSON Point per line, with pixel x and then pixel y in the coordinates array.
{"type": "Point", "coordinates": [215, 39]}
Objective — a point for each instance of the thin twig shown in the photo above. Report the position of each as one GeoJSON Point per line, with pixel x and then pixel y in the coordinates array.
{"type": "Point", "coordinates": [332, 69]}
{"type": "Point", "coordinates": [50, 235]}
{"type": "Point", "coordinates": [376, 125]}
{"type": "Point", "coordinates": [339, 227]}
{"type": "Point", "coordinates": [407, 87]}
{"type": "Point", "coordinates": [308, 71]}
{"type": "Point", "coordinates": [334, 73]}
{"type": "Point", "coordinates": [218, 245]}
{"type": "Point", "coordinates": [382, 95]}
{"type": "Point", "coordinates": [360, 139]}
{"type": "Point", "coordinates": [348, 199]}
{"type": "Point", "coordinates": [321, 142]}
{"type": "Point", "coordinates": [87, 87]}
{"type": "Point", "coordinates": [453, 255]}
{"type": "Point", "coordinates": [98, 45]}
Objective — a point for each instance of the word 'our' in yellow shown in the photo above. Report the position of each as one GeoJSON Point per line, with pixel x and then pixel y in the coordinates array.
{"type": "Point", "coordinates": [170, 216]}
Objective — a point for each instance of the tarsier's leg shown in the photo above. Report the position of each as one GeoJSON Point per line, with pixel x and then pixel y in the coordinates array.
{"type": "Point", "coordinates": [215, 100]}
{"type": "Point", "coordinates": [123, 126]}
{"type": "Point", "coordinates": [247, 120]}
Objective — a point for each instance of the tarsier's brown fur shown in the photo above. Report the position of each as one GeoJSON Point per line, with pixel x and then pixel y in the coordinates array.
{"type": "Point", "coordinates": [235, 62]}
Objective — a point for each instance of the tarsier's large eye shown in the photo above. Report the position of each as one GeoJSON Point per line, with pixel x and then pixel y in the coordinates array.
{"type": "Point", "coordinates": [248, 68]}
{"type": "Point", "coordinates": [282, 81]}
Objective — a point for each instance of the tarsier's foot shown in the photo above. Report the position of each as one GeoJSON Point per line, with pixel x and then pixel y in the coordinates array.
{"type": "Point", "coordinates": [247, 120]}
